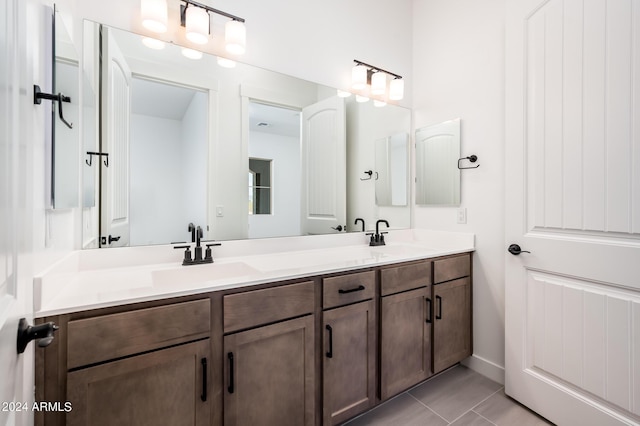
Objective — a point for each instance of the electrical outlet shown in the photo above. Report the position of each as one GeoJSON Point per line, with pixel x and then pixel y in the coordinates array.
{"type": "Point", "coordinates": [219, 211]}
{"type": "Point", "coordinates": [462, 215]}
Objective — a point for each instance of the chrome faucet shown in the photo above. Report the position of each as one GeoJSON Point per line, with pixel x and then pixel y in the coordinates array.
{"type": "Point", "coordinates": [377, 239]}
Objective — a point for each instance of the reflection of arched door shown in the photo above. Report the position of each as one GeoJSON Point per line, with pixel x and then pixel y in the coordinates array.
{"type": "Point", "coordinates": [324, 181]}
{"type": "Point", "coordinates": [116, 107]}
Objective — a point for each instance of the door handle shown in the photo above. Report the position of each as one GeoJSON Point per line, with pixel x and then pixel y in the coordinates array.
{"type": "Point", "coordinates": [339, 228]}
{"type": "Point", "coordinates": [203, 395]}
{"type": "Point", "coordinates": [43, 333]}
{"type": "Point", "coordinates": [430, 310]}
{"type": "Point", "coordinates": [231, 387]}
{"type": "Point", "coordinates": [515, 250]}
{"type": "Point", "coordinates": [330, 351]}
{"type": "Point", "coordinates": [439, 302]}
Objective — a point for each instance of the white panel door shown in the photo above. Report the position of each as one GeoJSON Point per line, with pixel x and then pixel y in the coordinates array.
{"type": "Point", "coordinates": [21, 135]}
{"type": "Point", "coordinates": [114, 224]}
{"type": "Point", "coordinates": [573, 200]}
{"type": "Point", "coordinates": [324, 167]}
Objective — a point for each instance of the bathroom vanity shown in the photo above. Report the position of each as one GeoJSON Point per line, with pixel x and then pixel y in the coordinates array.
{"type": "Point", "coordinates": [306, 337]}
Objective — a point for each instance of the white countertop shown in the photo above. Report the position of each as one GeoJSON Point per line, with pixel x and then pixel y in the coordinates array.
{"type": "Point", "coordinates": [91, 279]}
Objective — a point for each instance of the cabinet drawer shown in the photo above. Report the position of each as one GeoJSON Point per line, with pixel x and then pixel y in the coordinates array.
{"type": "Point", "coordinates": [112, 336]}
{"type": "Point", "coordinates": [258, 307]}
{"type": "Point", "coordinates": [451, 268]}
{"type": "Point", "coordinates": [406, 277]}
{"type": "Point", "coordinates": [349, 288]}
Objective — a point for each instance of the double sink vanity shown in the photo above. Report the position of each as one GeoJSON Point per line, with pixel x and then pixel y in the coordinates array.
{"type": "Point", "coordinates": [284, 331]}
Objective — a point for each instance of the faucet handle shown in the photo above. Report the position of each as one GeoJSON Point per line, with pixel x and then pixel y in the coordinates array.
{"type": "Point", "coordinates": [187, 254]}
{"type": "Point", "coordinates": [207, 253]}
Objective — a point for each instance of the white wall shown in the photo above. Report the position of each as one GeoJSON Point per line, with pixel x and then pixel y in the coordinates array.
{"type": "Point", "coordinates": [168, 175]}
{"type": "Point", "coordinates": [459, 61]}
{"type": "Point", "coordinates": [286, 172]}
{"type": "Point", "coordinates": [155, 180]}
{"type": "Point", "coordinates": [194, 164]}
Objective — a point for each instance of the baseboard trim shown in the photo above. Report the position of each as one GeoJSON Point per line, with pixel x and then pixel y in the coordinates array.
{"type": "Point", "coordinates": [485, 367]}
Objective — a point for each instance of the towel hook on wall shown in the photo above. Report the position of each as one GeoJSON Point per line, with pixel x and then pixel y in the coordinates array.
{"type": "Point", "coordinates": [39, 95]}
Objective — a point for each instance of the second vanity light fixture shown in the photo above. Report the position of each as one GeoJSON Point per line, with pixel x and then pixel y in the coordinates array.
{"type": "Point", "coordinates": [194, 17]}
{"type": "Point", "coordinates": [363, 74]}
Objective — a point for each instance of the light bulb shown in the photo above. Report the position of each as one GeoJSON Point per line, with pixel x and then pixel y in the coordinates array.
{"type": "Point", "coordinates": [378, 83]}
{"type": "Point", "coordinates": [154, 15]}
{"type": "Point", "coordinates": [197, 23]}
{"type": "Point", "coordinates": [396, 89]}
{"type": "Point", "coordinates": [235, 37]}
{"type": "Point", "coordinates": [359, 77]}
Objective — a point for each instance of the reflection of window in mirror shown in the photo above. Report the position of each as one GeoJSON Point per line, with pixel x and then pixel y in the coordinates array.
{"type": "Point", "coordinates": [259, 186]}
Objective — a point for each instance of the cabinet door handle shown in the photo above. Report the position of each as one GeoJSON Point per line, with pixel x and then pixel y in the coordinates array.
{"type": "Point", "coordinates": [203, 396]}
{"type": "Point", "coordinates": [439, 301]}
{"type": "Point", "coordinates": [351, 290]}
{"type": "Point", "coordinates": [429, 310]}
{"type": "Point", "coordinates": [231, 380]}
{"type": "Point", "coordinates": [330, 351]}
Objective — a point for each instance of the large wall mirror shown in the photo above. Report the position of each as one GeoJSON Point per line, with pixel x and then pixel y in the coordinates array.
{"type": "Point", "coordinates": [243, 152]}
{"type": "Point", "coordinates": [437, 173]}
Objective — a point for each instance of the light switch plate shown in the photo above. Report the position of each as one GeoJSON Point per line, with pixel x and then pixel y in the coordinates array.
{"type": "Point", "coordinates": [219, 211]}
{"type": "Point", "coordinates": [462, 215]}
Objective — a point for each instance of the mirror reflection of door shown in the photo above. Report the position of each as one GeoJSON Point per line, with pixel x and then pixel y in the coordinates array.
{"type": "Point", "coordinates": [324, 167]}
{"type": "Point", "coordinates": [437, 154]}
{"type": "Point", "coordinates": [158, 153]}
{"type": "Point", "coordinates": [274, 171]}
{"type": "Point", "coordinates": [116, 104]}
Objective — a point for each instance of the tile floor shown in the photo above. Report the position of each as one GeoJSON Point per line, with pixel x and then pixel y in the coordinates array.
{"type": "Point", "coordinates": [457, 397]}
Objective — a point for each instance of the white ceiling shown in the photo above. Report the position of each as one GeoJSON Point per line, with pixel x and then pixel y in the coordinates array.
{"type": "Point", "coordinates": [279, 121]}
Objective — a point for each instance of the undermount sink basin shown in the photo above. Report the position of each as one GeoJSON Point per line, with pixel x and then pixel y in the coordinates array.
{"type": "Point", "coordinates": [201, 273]}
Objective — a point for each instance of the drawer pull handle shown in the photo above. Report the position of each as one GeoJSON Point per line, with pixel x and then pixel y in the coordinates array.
{"type": "Point", "coordinates": [330, 351]}
{"type": "Point", "coordinates": [203, 396]}
{"type": "Point", "coordinates": [429, 310]}
{"type": "Point", "coordinates": [439, 314]}
{"type": "Point", "coordinates": [231, 384]}
{"type": "Point", "coordinates": [351, 290]}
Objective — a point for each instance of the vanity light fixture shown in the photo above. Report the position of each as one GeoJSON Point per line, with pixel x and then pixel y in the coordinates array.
{"type": "Point", "coordinates": [194, 17]}
{"type": "Point", "coordinates": [154, 15]}
{"type": "Point", "coordinates": [396, 89]}
{"type": "Point", "coordinates": [363, 74]}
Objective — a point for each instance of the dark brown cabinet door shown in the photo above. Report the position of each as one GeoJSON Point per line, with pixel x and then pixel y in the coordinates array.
{"type": "Point", "coordinates": [452, 323]}
{"type": "Point", "coordinates": [165, 387]}
{"type": "Point", "coordinates": [269, 375]}
{"type": "Point", "coordinates": [349, 356]}
{"type": "Point", "coordinates": [405, 340]}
